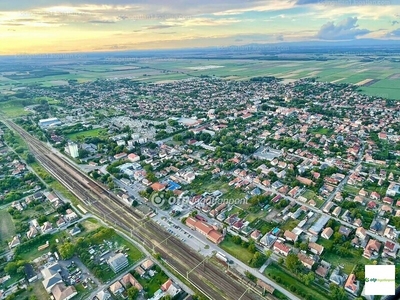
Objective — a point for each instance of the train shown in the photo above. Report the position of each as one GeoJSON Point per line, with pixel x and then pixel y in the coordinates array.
{"type": "Point", "coordinates": [221, 257]}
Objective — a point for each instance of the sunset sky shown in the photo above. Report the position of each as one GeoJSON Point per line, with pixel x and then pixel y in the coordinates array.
{"type": "Point", "coordinates": [49, 26]}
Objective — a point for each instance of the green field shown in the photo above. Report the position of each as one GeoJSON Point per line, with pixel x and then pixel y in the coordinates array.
{"type": "Point", "coordinates": [13, 109]}
{"type": "Point", "coordinates": [88, 133]}
{"type": "Point", "coordinates": [348, 69]}
{"type": "Point", "coordinates": [289, 281]}
{"type": "Point", "coordinates": [348, 261]}
{"type": "Point", "coordinates": [236, 250]}
{"type": "Point", "coordinates": [7, 228]}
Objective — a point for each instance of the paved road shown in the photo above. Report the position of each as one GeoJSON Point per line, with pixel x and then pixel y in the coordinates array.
{"type": "Point", "coordinates": [212, 248]}
{"type": "Point", "coordinates": [317, 210]}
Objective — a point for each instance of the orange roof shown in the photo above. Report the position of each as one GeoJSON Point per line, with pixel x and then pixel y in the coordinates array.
{"type": "Point", "coordinates": [166, 285]}
{"type": "Point", "coordinates": [158, 186]}
{"type": "Point", "coordinates": [215, 236]}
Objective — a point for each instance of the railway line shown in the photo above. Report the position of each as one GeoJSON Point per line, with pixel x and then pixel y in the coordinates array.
{"type": "Point", "coordinates": [207, 277]}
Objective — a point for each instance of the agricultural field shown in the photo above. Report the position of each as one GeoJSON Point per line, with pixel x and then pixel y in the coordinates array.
{"type": "Point", "coordinates": [378, 78]}
{"type": "Point", "coordinates": [7, 227]}
{"type": "Point", "coordinates": [88, 133]}
{"type": "Point", "coordinates": [12, 109]}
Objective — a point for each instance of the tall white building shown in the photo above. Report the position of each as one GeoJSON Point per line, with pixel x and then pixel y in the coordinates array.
{"type": "Point", "coordinates": [73, 149]}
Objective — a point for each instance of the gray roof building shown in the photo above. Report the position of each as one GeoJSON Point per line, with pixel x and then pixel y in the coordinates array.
{"type": "Point", "coordinates": [118, 262]}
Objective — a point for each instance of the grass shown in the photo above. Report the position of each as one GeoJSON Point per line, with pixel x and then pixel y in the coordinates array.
{"type": "Point", "coordinates": [13, 108]}
{"type": "Point", "coordinates": [348, 261]}
{"type": "Point", "coordinates": [88, 133]}
{"type": "Point", "coordinates": [134, 253]}
{"type": "Point", "coordinates": [310, 195]}
{"type": "Point", "coordinates": [153, 285]}
{"type": "Point", "coordinates": [7, 228]}
{"type": "Point", "coordinates": [259, 215]}
{"type": "Point", "coordinates": [351, 189]}
{"type": "Point", "coordinates": [289, 225]}
{"type": "Point", "coordinates": [90, 224]}
{"type": "Point", "coordinates": [236, 250]}
{"type": "Point", "coordinates": [287, 280]}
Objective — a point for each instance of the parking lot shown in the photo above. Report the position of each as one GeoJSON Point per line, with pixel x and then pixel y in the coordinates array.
{"type": "Point", "coordinates": [181, 232]}
{"type": "Point", "coordinates": [74, 272]}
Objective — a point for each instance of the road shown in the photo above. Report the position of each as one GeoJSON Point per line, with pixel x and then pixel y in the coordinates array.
{"type": "Point", "coordinates": [317, 210]}
{"type": "Point", "coordinates": [97, 198]}
{"type": "Point", "coordinates": [200, 247]}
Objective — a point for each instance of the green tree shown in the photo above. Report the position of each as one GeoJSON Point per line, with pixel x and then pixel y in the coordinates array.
{"type": "Point", "coordinates": [11, 268]}
{"type": "Point", "coordinates": [67, 250]}
{"type": "Point", "coordinates": [132, 293]}
{"type": "Point", "coordinates": [292, 262]}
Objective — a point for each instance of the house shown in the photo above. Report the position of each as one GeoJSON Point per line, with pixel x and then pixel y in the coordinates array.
{"type": "Point", "coordinates": [52, 197]}
{"type": "Point", "coordinates": [344, 230]}
{"type": "Point", "coordinates": [147, 265]}
{"type": "Point", "coordinates": [390, 233]}
{"type": "Point", "coordinates": [327, 233]}
{"type": "Point", "coordinates": [170, 288]}
{"type": "Point", "coordinates": [375, 196]}
{"type": "Point", "coordinates": [61, 292]}
{"type": "Point", "coordinates": [256, 234]}
{"type": "Point", "coordinates": [46, 227]}
{"type": "Point", "coordinates": [315, 248]}
{"type": "Point", "coordinates": [118, 262]}
{"type": "Point", "coordinates": [352, 285]}
{"type": "Point", "coordinates": [74, 231]}
{"type": "Point", "coordinates": [70, 215]}
{"type": "Point", "coordinates": [371, 251]}
{"type": "Point", "coordinates": [305, 260]}
{"type": "Point", "coordinates": [336, 277]}
{"type": "Point", "coordinates": [268, 240]}
{"type": "Point", "coordinates": [14, 242]}
{"type": "Point", "coordinates": [322, 271]}
{"type": "Point", "coordinates": [51, 277]}
{"type": "Point", "coordinates": [336, 211]}
{"type": "Point", "coordinates": [30, 274]}
{"type": "Point", "coordinates": [361, 233]}
{"type": "Point", "coordinates": [116, 288]}
{"type": "Point", "coordinates": [290, 236]}
{"type": "Point", "coordinates": [102, 295]}
{"type": "Point", "coordinates": [205, 229]}
{"type": "Point", "coordinates": [128, 279]}
{"type": "Point", "coordinates": [158, 187]}
{"type": "Point", "coordinates": [281, 248]}
{"type": "Point", "coordinates": [265, 286]}
{"type": "Point", "coordinates": [140, 271]}
{"type": "Point", "coordinates": [390, 249]}
{"type": "Point", "coordinates": [32, 232]}
{"type": "Point", "coordinates": [133, 157]}
{"type": "Point", "coordinates": [61, 222]}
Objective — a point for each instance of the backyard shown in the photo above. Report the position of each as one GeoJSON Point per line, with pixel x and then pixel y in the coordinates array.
{"type": "Point", "coordinates": [281, 276]}
{"type": "Point", "coordinates": [235, 250]}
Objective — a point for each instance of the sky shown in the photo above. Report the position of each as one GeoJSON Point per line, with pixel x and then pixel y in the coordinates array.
{"type": "Point", "coordinates": [57, 26]}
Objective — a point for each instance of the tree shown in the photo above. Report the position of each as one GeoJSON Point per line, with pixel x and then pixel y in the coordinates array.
{"type": "Point", "coordinates": [257, 260]}
{"type": "Point", "coordinates": [132, 293]}
{"type": "Point", "coordinates": [67, 250]}
{"type": "Point", "coordinates": [308, 278]}
{"type": "Point", "coordinates": [11, 268]}
{"type": "Point", "coordinates": [292, 262]}
{"type": "Point", "coordinates": [337, 293]}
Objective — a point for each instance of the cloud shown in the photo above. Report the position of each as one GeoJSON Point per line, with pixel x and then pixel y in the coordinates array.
{"type": "Point", "coordinates": [155, 27]}
{"type": "Point", "coordinates": [347, 29]}
{"type": "Point", "coordinates": [305, 2]}
{"type": "Point", "coordinates": [101, 21]}
{"type": "Point", "coordinates": [395, 22]}
{"type": "Point", "coordinates": [394, 33]}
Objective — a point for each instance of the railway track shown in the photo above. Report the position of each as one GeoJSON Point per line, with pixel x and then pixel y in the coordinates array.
{"type": "Point", "coordinates": [208, 278]}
